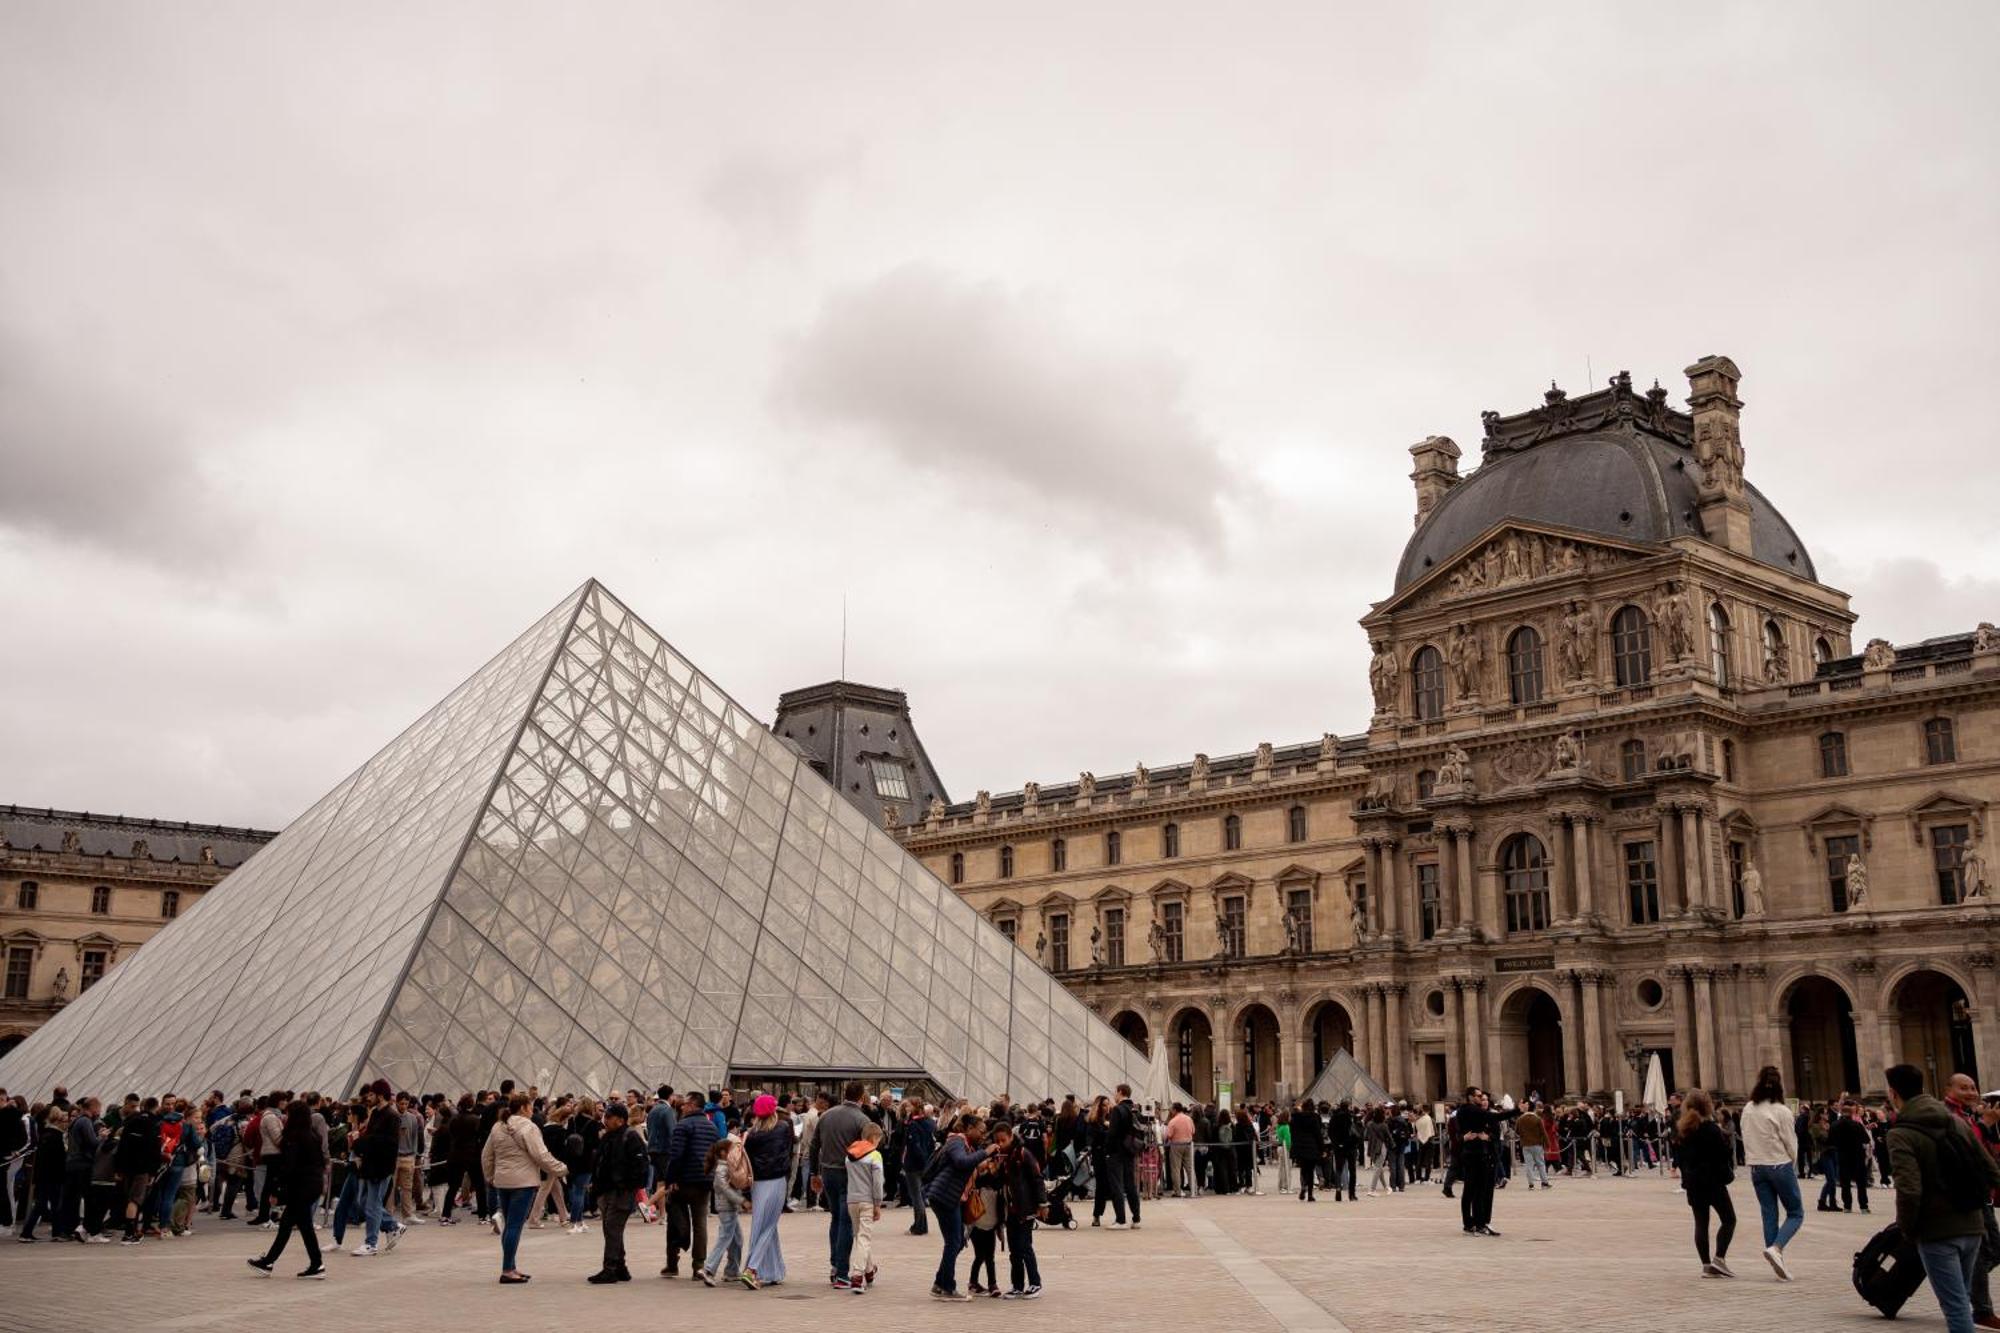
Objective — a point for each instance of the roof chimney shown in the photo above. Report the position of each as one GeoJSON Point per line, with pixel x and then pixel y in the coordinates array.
{"type": "Point", "coordinates": [1436, 472]}
{"type": "Point", "coordinates": [1718, 451]}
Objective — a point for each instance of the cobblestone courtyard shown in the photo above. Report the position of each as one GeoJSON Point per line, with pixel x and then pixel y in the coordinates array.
{"type": "Point", "coordinates": [1600, 1255]}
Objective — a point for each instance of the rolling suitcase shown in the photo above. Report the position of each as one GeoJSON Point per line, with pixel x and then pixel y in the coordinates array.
{"type": "Point", "coordinates": [1887, 1270]}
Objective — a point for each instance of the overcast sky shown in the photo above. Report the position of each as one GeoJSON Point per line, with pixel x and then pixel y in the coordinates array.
{"type": "Point", "coordinates": [1078, 347]}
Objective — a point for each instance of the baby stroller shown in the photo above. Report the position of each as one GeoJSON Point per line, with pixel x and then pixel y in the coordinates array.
{"type": "Point", "coordinates": [1076, 1185]}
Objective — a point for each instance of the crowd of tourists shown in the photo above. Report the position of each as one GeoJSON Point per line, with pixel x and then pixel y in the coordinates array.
{"type": "Point", "coordinates": [702, 1161]}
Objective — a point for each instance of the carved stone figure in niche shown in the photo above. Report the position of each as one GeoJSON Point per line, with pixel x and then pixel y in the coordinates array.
{"type": "Point", "coordinates": [1986, 639]}
{"type": "Point", "coordinates": [1776, 669]}
{"type": "Point", "coordinates": [1096, 947]}
{"type": "Point", "coordinates": [982, 804]}
{"type": "Point", "coordinates": [1973, 866]}
{"type": "Point", "coordinates": [1569, 753]}
{"type": "Point", "coordinates": [1041, 948]}
{"type": "Point", "coordinates": [1879, 655]}
{"type": "Point", "coordinates": [1513, 568]}
{"type": "Point", "coordinates": [1857, 884]}
{"type": "Point", "coordinates": [62, 984]}
{"type": "Point", "coordinates": [140, 850]}
{"type": "Point", "coordinates": [72, 842]}
{"type": "Point", "coordinates": [1357, 914]}
{"type": "Point", "coordinates": [1221, 931]}
{"type": "Point", "coordinates": [1382, 675]}
{"type": "Point", "coordinates": [1538, 556]}
{"type": "Point", "coordinates": [1198, 772]}
{"type": "Point", "coordinates": [1086, 787]}
{"type": "Point", "coordinates": [1468, 662]}
{"type": "Point", "coordinates": [890, 818]}
{"type": "Point", "coordinates": [1675, 623]}
{"type": "Point", "coordinates": [1753, 889]}
{"type": "Point", "coordinates": [1291, 933]}
{"type": "Point", "coordinates": [1381, 789]}
{"type": "Point", "coordinates": [934, 813]}
{"type": "Point", "coordinates": [1156, 940]}
{"type": "Point", "coordinates": [1577, 645]}
{"type": "Point", "coordinates": [1456, 768]}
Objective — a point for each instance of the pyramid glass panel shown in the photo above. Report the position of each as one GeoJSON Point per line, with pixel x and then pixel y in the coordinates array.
{"type": "Point", "coordinates": [587, 868]}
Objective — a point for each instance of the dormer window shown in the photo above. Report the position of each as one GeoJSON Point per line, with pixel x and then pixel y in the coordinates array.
{"type": "Point", "coordinates": [891, 779]}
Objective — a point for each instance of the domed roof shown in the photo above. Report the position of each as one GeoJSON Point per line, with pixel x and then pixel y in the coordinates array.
{"type": "Point", "coordinates": [1632, 480]}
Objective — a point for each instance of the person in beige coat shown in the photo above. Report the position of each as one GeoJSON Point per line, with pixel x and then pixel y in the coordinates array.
{"type": "Point", "coordinates": [514, 1159]}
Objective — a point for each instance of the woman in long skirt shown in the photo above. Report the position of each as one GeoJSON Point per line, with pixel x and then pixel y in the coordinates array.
{"type": "Point", "coordinates": [769, 1147]}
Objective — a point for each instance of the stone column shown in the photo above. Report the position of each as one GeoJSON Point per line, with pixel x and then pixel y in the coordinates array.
{"type": "Point", "coordinates": [1364, 1028]}
{"type": "Point", "coordinates": [1593, 1030]}
{"type": "Point", "coordinates": [1397, 1079]}
{"type": "Point", "coordinates": [1378, 1036]}
{"type": "Point", "coordinates": [1586, 867]}
{"type": "Point", "coordinates": [1371, 871]}
{"type": "Point", "coordinates": [1573, 1074]}
{"type": "Point", "coordinates": [1392, 890]}
{"type": "Point", "coordinates": [1875, 1036]}
{"type": "Point", "coordinates": [1684, 1024]}
{"type": "Point", "coordinates": [1706, 1065]}
{"type": "Point", "coordinates": [1673, 889]}
{"type": "Point", "coordinates": [1468, 894]}
{"type": "Point", "coordinates": [1562, 904]}
{"type": "Point", "coordinates": [1454, 1036]}
{"type": "Point", "coordinates": [1695, 883]}
{"type": "Point", "coordinates": [1475, 1030]}
{"type": "Point", "coordinates": [1985, 999]}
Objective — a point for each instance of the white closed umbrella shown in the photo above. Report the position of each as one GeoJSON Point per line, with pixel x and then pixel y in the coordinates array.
{"type": "Point", "coordinates": [1655, 1094]}
{"type": "Point", "coordinates": [1159, 1090]}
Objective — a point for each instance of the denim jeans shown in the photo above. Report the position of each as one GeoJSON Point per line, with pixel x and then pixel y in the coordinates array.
{"type": "Point", "coordinates": [951, 1225]}
{"type": "Point", "coordinates": [577, 1195]}
{"type": "Point", "coordinates": [514, 1205]}
{"type": "Point", "coordinates": [1533, 1166]}
{"type": "Point", "coordinates": [1949, 1265]}
{"type": "Point", "coordinates": [1775, 1185]}
{"type": "Point", "coordinates": [1829, 1168]}
{"type": "Point", "coordinates": [160, 1208]}
{"type": "Point", "coordinates": [839, 1226]}
{"type": "Point", "coordinates": [372, 1195]}
{"type": "Point", "coordinates": [728, 1241]}
{"type": "Point", "coordinates": [347, 1207]}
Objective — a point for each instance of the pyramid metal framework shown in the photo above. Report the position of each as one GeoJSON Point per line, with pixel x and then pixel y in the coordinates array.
{"type": "Point", "coordinates": [588, 869]}
{"type": "Point", "coordinates": [1344, 1080]}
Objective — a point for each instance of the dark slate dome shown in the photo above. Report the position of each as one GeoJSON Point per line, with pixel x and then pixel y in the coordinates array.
{"type": "Point", "coordinates": [1628, 474]}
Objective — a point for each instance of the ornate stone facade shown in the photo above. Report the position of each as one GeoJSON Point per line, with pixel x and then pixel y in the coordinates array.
{"type": "Point", "coordinates": [79, 893]}
{"type": "Point", "coordinates": [1628, 789]}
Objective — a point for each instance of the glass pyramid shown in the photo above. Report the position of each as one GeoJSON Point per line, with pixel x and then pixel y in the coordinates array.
{"type": "Point", "coordinates": [586, 869]}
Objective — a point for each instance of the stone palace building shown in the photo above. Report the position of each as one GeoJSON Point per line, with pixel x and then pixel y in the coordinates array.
{"type": "Point", "coordinates": [1632, 786]}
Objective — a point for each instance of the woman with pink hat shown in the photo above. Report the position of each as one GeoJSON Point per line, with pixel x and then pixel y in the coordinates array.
{"type": "Point", "coordinates": [769, 1147]}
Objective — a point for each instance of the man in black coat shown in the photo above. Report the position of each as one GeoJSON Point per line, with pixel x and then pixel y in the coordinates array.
{"type": "Point", "coordinates": [1308, 1146]}
{"type": "Point", "coordinates": [1850, 1146]}
{"type": "Point", "coordinates": [1122, 1146]}
{"type": "Point", "coordinates": [616, 1177]}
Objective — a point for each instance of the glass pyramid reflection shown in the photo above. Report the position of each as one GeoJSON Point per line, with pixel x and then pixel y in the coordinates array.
{"type": "Point", "coordinates": [587, 869]}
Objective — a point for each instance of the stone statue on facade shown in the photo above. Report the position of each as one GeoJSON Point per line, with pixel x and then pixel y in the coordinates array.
{"type": "Point", "coordinates": [1266, 756]}
{"type": "Point", "coordinates": [1455, 770]}
{"type": "Point", "coordinates": [208, 856]}
{"type": "Point", "coordinates": [1512, 569]}
{"type": "Point", "coordinates": [1329, 747]}
{"type": "Point", "coordinates": [140, 850]}
{"type": "Point", "coordinates": [1031, 797]}
{"type": "Point", "coordinates": [1676, 624]}
{"type": "Point", "coordinates": [1986, 639]}
{"type": "Point", "coordinates": [1156, 940]}
{"type": "Point", "coordinates": [1973, 867]}
{"type": "Point", "coordinates": [1142, 778]}
{"type": "Point", "coordinates": [1382, 676]}
{"type": "Point", "coordinates": [1577, 645]}
{"type": "Point", "coordinates": [1753, 889]}
{"type": "Point", "coordinates": [1042, 948]}
{"type": "Point", "coordinates": [1086, 788]}
{"type": "Point", "coordinates": [1096, 947]}
{"type": "Point", "coordinates": [1776, 669]}
{"type": "Point", "coordinates": [1291, 933]}
{"type": "Point", "coordinates": [1221, 931]}
{"type": "Point", "coordinates": [62, 984]}
{"type": "Point", "coordinates": [1468, 660]}
{"type": "Point", "coordinates": [1198, 773]}
{"type": "Point", "coordinates": [1569, 754]}
{"type": "Point", "coordinates": [891, 819]}
{"type": "Point", "coordinates": [934, 814]}
{"type": "Point", "coordinates": [1357, 914]}
{"type": "Point", "coordinates": [72, 842]}
{"type": "Point", "coordinates": [1879, 655]}
{"type": "Point", "coordinates": [982, 803]}
{"type": "Point", "coordinates": [1857, 884]}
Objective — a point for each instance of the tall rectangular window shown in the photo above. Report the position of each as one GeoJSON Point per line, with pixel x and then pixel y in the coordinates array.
{"type": "Point", "coordinates": [1295, 824]}
{"type": "Point", "coordinates": [1738, 856]}
{"type": "Point", "coordinates": [1642, 883]}
{"type": "Point", "coordinates": [1173, 931]}
{"type": "Point", "coordinates": [1299, 906]}
{"type": "Point", "coordinates": [1114, 848]}
{"type": "Point", "coordinates": [1114, 937]}
{"type": "Point", "coordinates": [891, 779]}
{"type": "Point", "coordinates": [170, 904]}
{"type": "Point", "coordinates": [1833, 754]}
{"type": "Point", "coordinates": [100, 900]}
{"type": "Point", "coordinates": [1948, 844]}
{"type": "Point", "coordinates": [1010, 928]}
{"type": "Point", "coordinates": [1232, 834]}
{"type": "Point", "coordinates": [1170, 841]}
{"type": "Point", "coordinates": [28, 896]}
{"type": "Point", "coordinates": [1232, 926]}
{"type": "Point", "coordinates": [1059, 942]}
{"type": "Point", "coordinates": [1059, 855]}
{"type": "Point", "coordinates": [92, 971]}
{"type": "Point", "coordinates": [1430, 900]}
{"type": "Point", "coordinates": [20, 962]}
{"type": "Point", "coordinates": [1632, 759]}
{"type": "Point", "coordinates": [1839, 850]}
{"type": "Point", "coordinates": [1940, 745]}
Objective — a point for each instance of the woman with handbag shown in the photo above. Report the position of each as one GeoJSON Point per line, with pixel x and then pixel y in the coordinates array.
{"type": "Point", "coordinates": [769, 1148]}
{"type": "Point", "coordinates": [513, 1160]}
{"type": "Point", "coordinates": [983, 1204]}
{"type": "Point", "coordinates": [963, 1151]}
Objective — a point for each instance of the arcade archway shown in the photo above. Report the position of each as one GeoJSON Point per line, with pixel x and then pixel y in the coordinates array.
{"type": "Point", "coordinates": [1257, 1030]}
{"type": "Point", "coordinates": [1935, 1026]}
{"type": "Point", "coordinates": [1821, 1025]}
{"type": "Point", "coordinates": [1530, 1029]}
{"type": "Point", "coordinates": [1191, 1046]}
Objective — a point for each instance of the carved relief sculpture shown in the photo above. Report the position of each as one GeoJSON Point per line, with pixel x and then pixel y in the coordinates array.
{"type": "Point", "coordinates": [1382, 676]}
{"type": "Point", "coordinates": [1569, 753]}
{"type": "Point", "coordinates": [1096, 947]}
{"type": "Point", "coordinates": [1357, 914]}
{"type": "Point", "coordinates": [1042, 948]}
{"type": "Point", "coordinates": [1468, 661]}
{"type": "Point", "coordinates": [1973, 866]}
{"type": "Point", "coordinates": [1879, 655]}
{"type": "Point", "coordinates": [890, 818]}
{"type": "Point", "coordinates": [1455, 771]}
{"type": "Point", "coordinates": [1857, 884]}
{"type": "Point", "coordinates": [72, 842]}
{"type": "Point", "coordinates": [1156, 940]}
{"type": "Point", "coordinates": [62, 984]}
{"type": "Point", "coordinates": [1753, 889]}
{"type": "Point", "coordinates": [1086, 788]}
{"type": "Point", "coordinates": [1578, 643]}
{"type": "Point", "coordinates": [934, 815]}
{"type": "Point", "coordinates": [1676, 625]}
{"type": "Point", "coordinates": [1986, 639]}
{"type": "Point", "coordinates": [1291, 933]}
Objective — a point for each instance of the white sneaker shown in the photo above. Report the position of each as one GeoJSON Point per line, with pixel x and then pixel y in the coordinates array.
{"type": "Point", "coordinates": [1776, 1258]}
{"type": "Point", "coordinates": [394, 1237]}
{"type": "Point", "coordinates": [363, 1251]}
{"type": "Point", "coordinates": [101, 1238]}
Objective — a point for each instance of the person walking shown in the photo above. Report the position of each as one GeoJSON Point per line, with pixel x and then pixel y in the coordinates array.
{"type": "Point", "coordinates": [616, 1177]}
{"type": "Point", "coordinates": [839, 1128]}
{"type": "Point", "coordinates": [47, 1168]}
{"type": "Point", "coordinates": [513, 1161]}
{"type": "Point", "coordinates": [1533, 1132]}
{"type": "Point", "coordinates": [300, 1169]}
{"type": "Point", "coordinates": [769, 1148]}
{"type": "Point", "coordinates": [1962, 1097]}
{"type": "Point", "coordinates": [729, 1186]}
{"type": "Point", "coordinates": [867, 1191]}
{"type": "Point", "coordinates": [465, 1147]}
{"type": "Point", "coordinates": [945, 1193]}
{"type": "Point", "coordinates": [919, 1142]}
{"type": "Point", "coordinates": [1707, 1166]}
{"type": "Point", "coordinates": [1943, 1176]}
{"type": "Point", "coordinates": [685, 1183]}
{"type": "Point", "coordinates": [1826, 1158]}
{"type": "Point", "coordinates": [1308, 1147]}
{"type": "Point", "coordinates": [1851, 1146]}
{"type": "Point", "coordinates": [1770, 1150]}
{"type": "Point", "coordinates": [1375, 1142]}
{"type": "Point", "coordinates": [374, 1152]}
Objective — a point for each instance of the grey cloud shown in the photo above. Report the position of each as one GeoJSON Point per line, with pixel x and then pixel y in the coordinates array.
{"type": "Point", "coordinates": [1909, 598]}
{"type": "Point", "coordinates": [980, 382]}
{"type": "Point", "coordinates": [767, 195]}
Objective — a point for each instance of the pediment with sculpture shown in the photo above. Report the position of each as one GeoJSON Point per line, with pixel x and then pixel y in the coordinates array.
{"type": "Point", "coordinates": [1512, 554]}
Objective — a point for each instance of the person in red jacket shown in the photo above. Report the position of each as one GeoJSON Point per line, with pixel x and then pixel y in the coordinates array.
{"type": "Point", "coordinates": [1962, 1096]}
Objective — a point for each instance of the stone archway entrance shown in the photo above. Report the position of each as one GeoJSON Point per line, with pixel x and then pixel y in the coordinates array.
{"type": "Point", "coordinates": [1331, 1030]}
{"type": "Point", "coordinates": [1132, 1028]}
{"type": "Point", "coordinates": [1821, 1027]}
{"type": "Point", "coordinates": [1257, 1030]}
{"type": "Point", "coordinates": [1935, 1026]}
{"type": "Point", "coordinates": [1191, 1046]}
{"type": "Point", "coordinates": [1529, 1027]}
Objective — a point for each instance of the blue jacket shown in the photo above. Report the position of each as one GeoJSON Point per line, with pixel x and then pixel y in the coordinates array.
{"type": "Point", "coordinates": [688, 1158]}
{"type": "Point", "coordinates": [949, 1183]}
{"type": "Point", "coordinates": [660, 1128]}
{"type": "Point", "coordinates": [919, 1142]}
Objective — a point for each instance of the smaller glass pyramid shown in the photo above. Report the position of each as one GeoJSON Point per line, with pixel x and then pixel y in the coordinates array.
{"type": "Point", "coordinates": [586, 869]}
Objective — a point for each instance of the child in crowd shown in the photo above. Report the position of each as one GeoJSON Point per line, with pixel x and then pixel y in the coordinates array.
{"type": "Point", "coordinates": [865, 1190]}
{"type": "Point", "coordinates": [729, 1185]}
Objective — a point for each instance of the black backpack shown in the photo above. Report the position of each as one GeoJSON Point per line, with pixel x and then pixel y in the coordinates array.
{"type": "Point", "coordinates": [1961, 1164]}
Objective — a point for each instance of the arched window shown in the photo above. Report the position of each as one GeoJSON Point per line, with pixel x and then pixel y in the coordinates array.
{"type": "Point", "coordinates": [1427, 781]}
{"type": "Point", "coordinates": [1170, 841]}
{"type": "Point", "coordinates": [1295, 824]}
{"type": "Point", "coordinates": [1232, 834]}
{"type": "Point", "coordinates": [1822, 652]}
{"type": "Point", "coordinates": [958, 867]}
{"type": "Point", "coordinates": [1427, 684]}
{"type": "Point", "coordinates": [1631, 647]}
{"type": "Point", "coordinates": [1059, 855]}
{"type": "Point", "coordinates": [100, 900]}
{"type": "Point", "coordinates": [1777, 662]}
{"type": "Point", "coordinates": [1006, 862]}
{"type": "Point", "coordinates": [1632, 759]}
{"type": "Point", "coordinates": [1114, 848]}
{"type": "Point", "coordinates": [1524, 666]}
{"type": "Point", "coordinates": [1525, 876]}
{"type": "Point", "coordinates": [1718, 644]}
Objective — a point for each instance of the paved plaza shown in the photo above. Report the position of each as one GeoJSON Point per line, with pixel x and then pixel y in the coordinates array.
{"type": "Point", "coordinates": [1590, 1254]}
